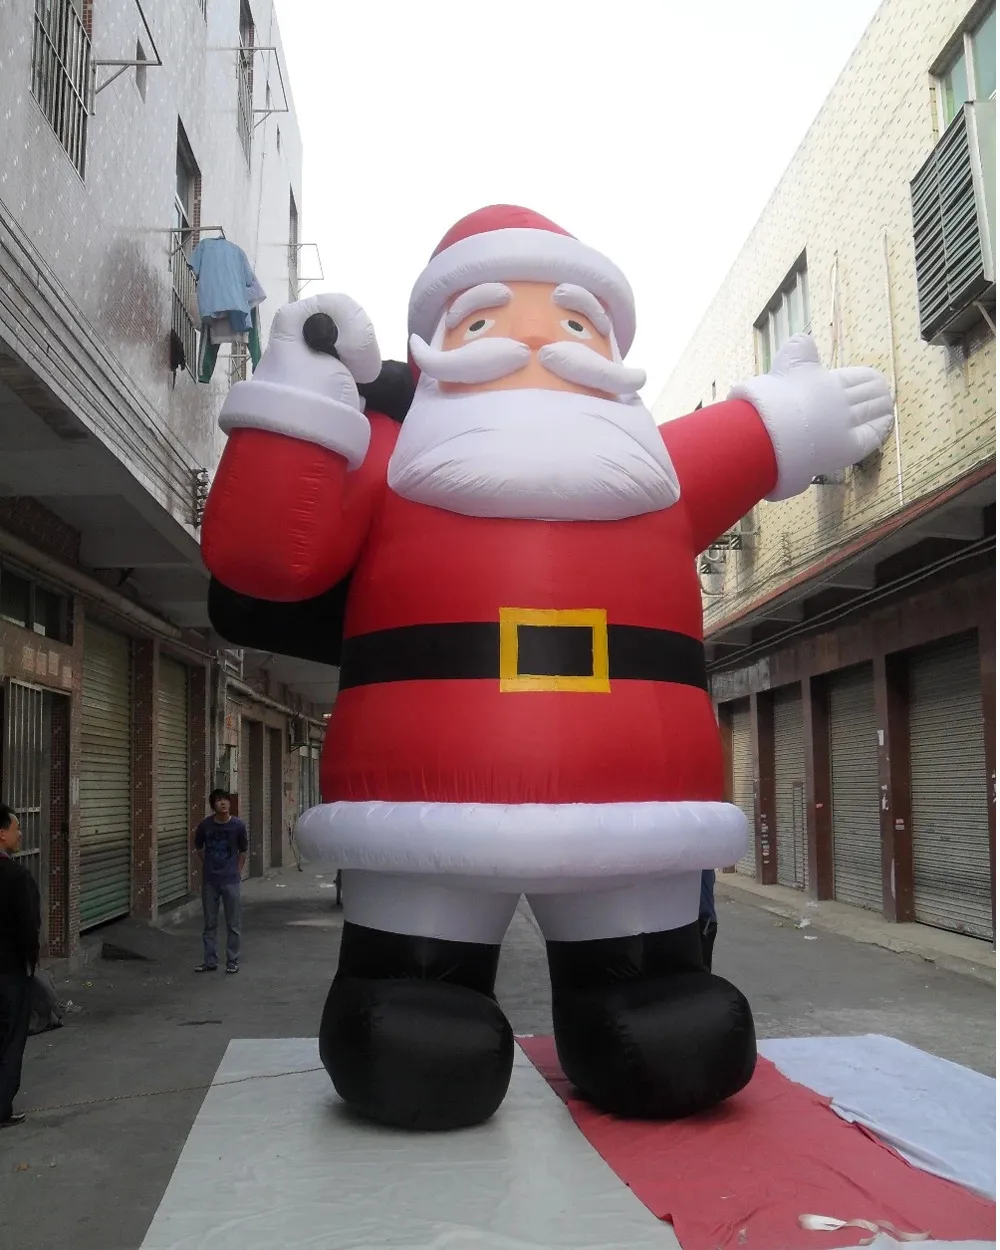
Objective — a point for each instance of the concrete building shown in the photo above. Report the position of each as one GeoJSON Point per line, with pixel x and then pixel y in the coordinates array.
{"type": "Point", "coordinates": [851, 630]}
{"type": "Point", "coordinates": [129, 134]}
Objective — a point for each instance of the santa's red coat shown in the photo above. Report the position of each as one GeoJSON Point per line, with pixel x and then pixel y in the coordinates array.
{"type": "Point", "coordinates": [285, 521]}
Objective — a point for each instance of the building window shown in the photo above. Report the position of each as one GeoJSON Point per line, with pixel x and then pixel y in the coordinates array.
{"type": "Point", "coordinates": [187, 211]}
{"type": "Point", "coordinates": [786, 314]}
{"type": "Point", "coordinates": [244, 77]}
{"type": "Point", "coordinates": [293, 247]}
{"type": "Point", "coordinates": [970, 73]}
{"type": "Point", "coordinates": [187, 192]}
{"type": "Point", "coordinates": [60, 73]}
{"type": "Point", "coordinates": [34, 607]}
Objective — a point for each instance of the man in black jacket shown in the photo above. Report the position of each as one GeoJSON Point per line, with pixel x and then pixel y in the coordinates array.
{"type": "Point", "coordinates": [20, 922]}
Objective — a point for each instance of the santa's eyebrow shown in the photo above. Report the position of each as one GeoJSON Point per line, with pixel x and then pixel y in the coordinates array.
{"type": "Point", "coordinates": [486, 295]}
{"type": "Point", "coordinates": [577, 299]}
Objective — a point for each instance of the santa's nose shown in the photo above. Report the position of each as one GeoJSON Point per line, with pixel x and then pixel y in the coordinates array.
{"type": "Point", "coordinates": [532, 332]}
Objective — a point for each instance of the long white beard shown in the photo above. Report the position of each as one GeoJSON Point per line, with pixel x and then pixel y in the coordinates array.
{"type": "Point", "coordinates": [532, 455]}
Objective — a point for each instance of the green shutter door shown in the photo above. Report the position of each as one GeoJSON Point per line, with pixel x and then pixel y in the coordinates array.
{"type": "Point", "coordinates": [743, 781]}
{"type": "Point", "coordinates": [857, 840]}
{"type": "Point", "coordinates": [789, 788]}
{"type": "Point", "coordinates": [105, 777]}
{"type": "Point", "coordinates": [172, 797]}
{"type": "Point", "coordinates": [266, 812]}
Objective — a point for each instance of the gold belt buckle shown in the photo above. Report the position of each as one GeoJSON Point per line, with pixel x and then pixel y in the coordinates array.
{"type": "Point", "coordinates": [594, 619]}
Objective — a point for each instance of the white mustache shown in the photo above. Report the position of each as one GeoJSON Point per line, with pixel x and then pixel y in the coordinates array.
{"type": "Point", "coordinates": [483, 360]}
{"type": "Point", "coordinates": [576, 362]}
{"type": "Point", "coordinates": [488, 360]}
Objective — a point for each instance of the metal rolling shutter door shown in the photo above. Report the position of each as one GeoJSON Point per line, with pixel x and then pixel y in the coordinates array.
{"type": "Point", "coordinates": [949, 789]}
{"type": "Point", "coordinates": [172, 797]}
{"type": "Point", "coordinates": [743, 781]}
{"type": "Point", "coordinates": [789, 789]}
{"type": "Point", "coordinates": [243, 773]}
{"type": "Point", "coordinates": [265, 815]}
{"type": "Point", "coordinates": [105, 777]}
{"type": "Point", "coordinates": [857, 845]}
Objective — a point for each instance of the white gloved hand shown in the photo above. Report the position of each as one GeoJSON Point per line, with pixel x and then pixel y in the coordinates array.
{"type": "Point", "coordinates": [307, 394]}
{"type": "Point", "coordinates": [819, 420]}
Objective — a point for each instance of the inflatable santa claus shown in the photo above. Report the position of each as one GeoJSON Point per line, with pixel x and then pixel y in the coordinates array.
{"type": "Point", "coordinates": [507, 578]}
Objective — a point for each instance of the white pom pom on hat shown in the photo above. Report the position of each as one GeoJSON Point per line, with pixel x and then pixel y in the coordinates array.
{"type": "Point", "coordinates": [505, 243]}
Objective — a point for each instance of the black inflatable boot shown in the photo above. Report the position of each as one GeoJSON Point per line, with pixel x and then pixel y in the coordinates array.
{"type": "Point", "coordinates": [643, 1030]}
{"type": "Point", "coordinates": [412, 1035]}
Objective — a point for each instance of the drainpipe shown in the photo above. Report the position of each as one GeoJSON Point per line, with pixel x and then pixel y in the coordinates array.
{"type": "Point", "coordinates": [892, 366]}
{"type": "Point", "coordinates": [248, 692]}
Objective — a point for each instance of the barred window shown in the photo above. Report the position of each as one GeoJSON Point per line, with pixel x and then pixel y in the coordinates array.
{"type": "Point", "coordinates": [184, 304]}
{"type": "Point", "coordinates": [239, 354]}
{"type": "Point", "coordinates": [293, 247]}
{"type": "Point", "coordinates": [244, 79]}
{"type": "Point", "coordinates": [61, 73]}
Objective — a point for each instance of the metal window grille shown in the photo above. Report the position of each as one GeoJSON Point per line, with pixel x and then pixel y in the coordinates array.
{"type": "Point", "coordinates": [244, 79]}
{"type": "Point", "coordinates": [239, 354]}
{"type": "Point", "coordinates": [61, 73]}
{"type": "Point", "coordinates": [184, 312]}
{"type": "Point", "coordinates": [23, 770]}
{"type": "Point", "coordinates": [245, 111]}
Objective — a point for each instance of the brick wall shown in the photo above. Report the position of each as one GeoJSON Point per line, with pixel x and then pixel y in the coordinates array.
{"type": "Point", "coordinates": [144, 674]}
{"type": "Point", "coordinates": [58, 943]}
{"type": "Point", "coordinates": [28, 520]}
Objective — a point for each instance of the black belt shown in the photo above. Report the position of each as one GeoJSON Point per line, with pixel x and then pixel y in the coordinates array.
{"type": "Point", "coordinates": [545, 656]}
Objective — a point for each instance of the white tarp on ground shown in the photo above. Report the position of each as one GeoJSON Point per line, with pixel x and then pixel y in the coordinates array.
{"type": "Point", "coordinates": [938, 1115]}
{"type": "Point", "coordinates": [281, 1165]}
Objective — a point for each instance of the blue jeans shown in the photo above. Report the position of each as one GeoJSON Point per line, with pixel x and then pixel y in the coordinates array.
{"type": "Point", "coordinates": [230, 896]}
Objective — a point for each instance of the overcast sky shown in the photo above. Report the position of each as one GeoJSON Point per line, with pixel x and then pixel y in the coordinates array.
{"type": "Point", "coordinates": [654, 130]}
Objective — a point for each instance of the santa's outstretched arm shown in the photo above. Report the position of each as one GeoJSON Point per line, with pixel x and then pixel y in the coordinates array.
{"type": "Point", "coordinates": [290, 503]}
{"type": "Point", "coordinates": [774, 434]}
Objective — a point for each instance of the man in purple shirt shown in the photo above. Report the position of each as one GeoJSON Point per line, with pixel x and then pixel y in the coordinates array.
{"type": "Point", "coordinates": [221, 843]}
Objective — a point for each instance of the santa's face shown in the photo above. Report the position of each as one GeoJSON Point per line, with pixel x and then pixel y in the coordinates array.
{"type": "Point", "coordinates": [524, 410]}
{"type": "Point", "coordinates": [532, 316]}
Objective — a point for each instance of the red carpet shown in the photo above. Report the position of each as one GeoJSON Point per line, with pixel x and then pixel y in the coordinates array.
{"type": "Point", "coordinates": [741, 1176]}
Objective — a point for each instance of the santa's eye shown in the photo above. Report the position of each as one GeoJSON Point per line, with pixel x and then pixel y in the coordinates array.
{"type": "Point", "coordinates": [576, 328]}
{"type": "Point", "coordinates": [478, 327]}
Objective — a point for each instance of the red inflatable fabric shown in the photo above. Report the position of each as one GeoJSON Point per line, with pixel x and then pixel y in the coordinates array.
{"type": "Point", "coordinates": [741, 1175]}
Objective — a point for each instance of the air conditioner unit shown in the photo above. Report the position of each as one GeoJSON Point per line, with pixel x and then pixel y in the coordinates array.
{"type": "Point", "coordinates": [298, 734]}
{"type": "Point", "coordinates": [954, 225]}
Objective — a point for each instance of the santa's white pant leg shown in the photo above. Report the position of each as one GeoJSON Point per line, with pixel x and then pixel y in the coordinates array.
{"type": "Point", "coordinates": [417, 905]}
{"type": "Point", "coordinates": [649, 905]}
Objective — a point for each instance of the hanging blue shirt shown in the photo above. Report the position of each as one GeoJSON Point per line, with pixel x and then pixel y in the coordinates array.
{"type": "Point", "coordinates": [227, 284]}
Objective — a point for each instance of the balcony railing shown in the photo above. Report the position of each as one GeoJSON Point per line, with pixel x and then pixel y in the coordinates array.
{"type": "Point", "coordinates": [184, 311]}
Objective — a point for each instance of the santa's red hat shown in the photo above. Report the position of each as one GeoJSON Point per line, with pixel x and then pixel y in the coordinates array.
{"type": "Point", "coordinates": [504, 243]}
